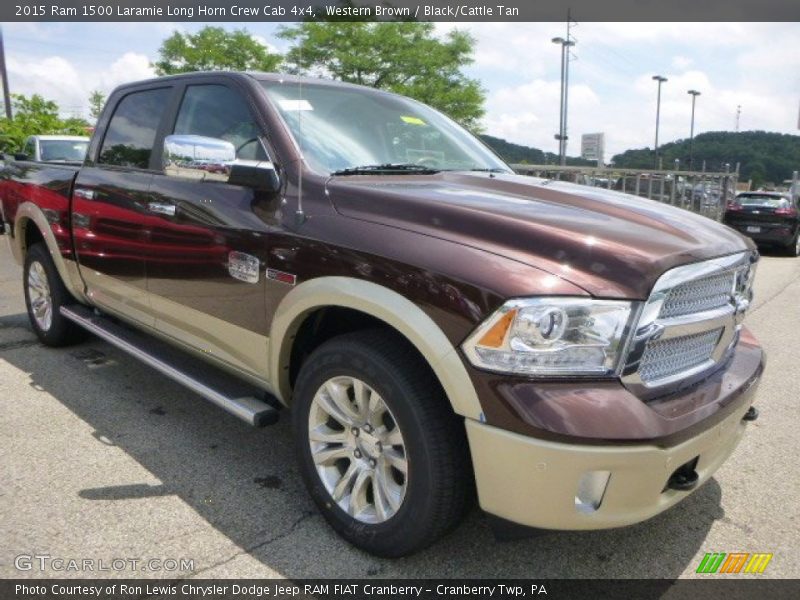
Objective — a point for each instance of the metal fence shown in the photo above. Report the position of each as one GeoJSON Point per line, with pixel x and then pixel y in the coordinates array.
{"type": "Point", "coordinates": [702, 192]}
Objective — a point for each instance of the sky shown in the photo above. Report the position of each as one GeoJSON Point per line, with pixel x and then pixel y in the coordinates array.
{"type": "Point", "coordinates": [752, 65]}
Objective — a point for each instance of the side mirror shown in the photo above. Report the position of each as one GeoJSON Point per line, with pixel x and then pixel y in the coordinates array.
{"type": "Point", "coordinates": [257, 174]}
{"type": "Point", "coordinates": [197, 157]}
{"type": "Point", "coordinates": [212, 159]}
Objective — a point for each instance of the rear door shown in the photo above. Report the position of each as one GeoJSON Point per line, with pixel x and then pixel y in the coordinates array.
{"type": "Point", "coordinates": [110, 219]}
{"type": "Point", "coordinates": [207, 258]}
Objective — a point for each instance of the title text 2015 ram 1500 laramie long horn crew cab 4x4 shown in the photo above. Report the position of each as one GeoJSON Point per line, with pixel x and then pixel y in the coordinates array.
{"type": "Point", "coordinates": [436, 323]}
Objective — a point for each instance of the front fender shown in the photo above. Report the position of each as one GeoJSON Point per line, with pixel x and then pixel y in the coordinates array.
{"type": "Point", "coordinates": [384, 304]}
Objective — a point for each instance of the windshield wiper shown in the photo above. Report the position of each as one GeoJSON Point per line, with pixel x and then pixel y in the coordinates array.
{"type": "Point", "coordinates": [490, 170]}
{"type": "Point", "coordinates": [394, 168]}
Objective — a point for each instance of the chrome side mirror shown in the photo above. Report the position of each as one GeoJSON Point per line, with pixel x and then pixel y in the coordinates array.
{"type": "Point", "coordinates": [198, 157]}
{"type": "Point", "coordinates": [210, 159]}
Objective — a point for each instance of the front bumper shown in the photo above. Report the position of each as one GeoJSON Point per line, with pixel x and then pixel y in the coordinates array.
{"type": "Point", "coordinates": [532, 475]}
{"type": "Point", "coordinates": [534, 482]}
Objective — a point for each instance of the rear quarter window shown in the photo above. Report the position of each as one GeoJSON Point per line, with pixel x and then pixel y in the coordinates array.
{"type": "Point", "coordinates": [132, 130]}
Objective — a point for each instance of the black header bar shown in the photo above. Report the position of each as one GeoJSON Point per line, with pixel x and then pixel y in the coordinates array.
{"type": "Point", "coordinates": [744, 587]}
{"type": "Point", "coordinates": [244, 11]}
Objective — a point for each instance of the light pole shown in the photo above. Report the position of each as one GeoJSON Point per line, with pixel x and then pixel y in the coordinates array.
{"type": "Point", "coordinates": [561, 136]}
{"type": "Point", "coordinates": [694, 94]}
{"type": "Point", "coordinates": [4, 77]}
{"type": "Point", "coordinates": [660, 80]}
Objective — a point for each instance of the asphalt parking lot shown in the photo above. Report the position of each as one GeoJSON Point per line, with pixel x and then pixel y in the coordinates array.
{"type": "Point", "coordinates": [102, 458]}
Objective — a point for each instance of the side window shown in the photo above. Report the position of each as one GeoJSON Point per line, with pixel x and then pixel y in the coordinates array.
{"type": "Point", "coordinates": [30, 149]}
{"type": "Point", "coordinates": [132, 130]}
{"type": "Point", "coordinates": [217, 111]}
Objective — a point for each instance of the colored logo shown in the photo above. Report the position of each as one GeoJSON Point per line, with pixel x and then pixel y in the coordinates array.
{"type": "Point", "coordinates": [734, 562]}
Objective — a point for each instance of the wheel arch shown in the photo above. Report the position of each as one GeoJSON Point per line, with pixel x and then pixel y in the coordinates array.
{"type": "Point", "coordinates": [374, 302]}
{"type": "Point", "coordinates": [29, 218]}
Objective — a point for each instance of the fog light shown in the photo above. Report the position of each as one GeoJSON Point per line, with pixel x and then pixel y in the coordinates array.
{"type": "Point", "coordinates": [591, 489]}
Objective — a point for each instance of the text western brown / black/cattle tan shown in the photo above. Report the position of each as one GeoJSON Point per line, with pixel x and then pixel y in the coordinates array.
{"type": "Point", "coordinates": [430, 318]}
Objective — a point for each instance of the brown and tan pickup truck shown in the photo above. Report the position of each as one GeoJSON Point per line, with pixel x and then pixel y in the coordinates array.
{"type": "Point", "coordinates": [436, 324]}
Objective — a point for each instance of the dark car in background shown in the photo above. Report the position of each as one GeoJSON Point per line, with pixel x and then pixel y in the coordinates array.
{"type": "Point", "coordinates": [768, 218]}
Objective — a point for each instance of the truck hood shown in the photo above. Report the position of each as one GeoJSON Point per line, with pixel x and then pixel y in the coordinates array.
{"type": "Point", "coordinates": [610, 244]}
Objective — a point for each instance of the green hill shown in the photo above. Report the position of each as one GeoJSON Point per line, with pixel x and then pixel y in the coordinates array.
{"type": "Point", "coordinates": [763, 156]}
{"type": "Point", "coordinates": [515, 153]}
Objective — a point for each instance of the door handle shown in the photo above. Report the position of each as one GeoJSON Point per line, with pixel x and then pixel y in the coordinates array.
{"type": "Point", "coordinates": [161, 208]}
{"type": "Point", "coordinates": [84, 193]}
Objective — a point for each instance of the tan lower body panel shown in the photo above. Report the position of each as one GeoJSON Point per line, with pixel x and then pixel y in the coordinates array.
{"type": "Point", "coordinates": [534, 482]}
{"type": "Point", "coordinates": [115, 295]}
{"type": "Point", "coordinates": [239, 347]}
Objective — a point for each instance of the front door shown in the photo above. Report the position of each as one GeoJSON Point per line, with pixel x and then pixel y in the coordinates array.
{"type": "Point", "coordinates": [206, 259]}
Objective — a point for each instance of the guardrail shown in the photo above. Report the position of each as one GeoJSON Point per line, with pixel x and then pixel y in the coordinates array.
{"type": "Point", "coordinates": [702, 192]}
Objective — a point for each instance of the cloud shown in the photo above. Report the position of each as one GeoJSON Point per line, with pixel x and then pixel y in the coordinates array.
{"type": "Point", "coordinates": [529, 113]}
{"type": "Point", "coordinates": [53, 77]}
{"type": "Point", "coordinates": [681, 62]}
{"type": "Point", "coordinates": [56, 78]}
{"type": "Point", "coordinates": [129, 67]}
{"type": "Point", "coordinates": [260, 39]}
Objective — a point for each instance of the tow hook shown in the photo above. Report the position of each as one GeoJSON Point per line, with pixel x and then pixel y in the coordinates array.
{"type": "Point", "coordinates": [684, 478]}
{"type": "Point", "coordinates": [751, 414]}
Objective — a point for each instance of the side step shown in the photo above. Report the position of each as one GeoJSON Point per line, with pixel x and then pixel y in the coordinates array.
{"type": "Point", "coordinates": [227, 392]}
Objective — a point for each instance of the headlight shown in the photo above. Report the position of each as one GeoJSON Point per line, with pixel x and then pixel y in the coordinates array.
{"type": "Point", "coordinates": [552, 336]}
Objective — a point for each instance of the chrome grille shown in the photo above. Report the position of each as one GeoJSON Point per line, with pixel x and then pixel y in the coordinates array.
{"type": "Point", "coordinates": [699, 295]}
{"type": "Point", "coordinates": [689, 323]}
{"type": "Point", "coordinates": [668, 357]}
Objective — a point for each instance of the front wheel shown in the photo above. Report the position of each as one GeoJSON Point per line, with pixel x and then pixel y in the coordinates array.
{"type": "Point", "coordinates": [45, 294]}
{"type": "Point", "coordinates": [381, 452]}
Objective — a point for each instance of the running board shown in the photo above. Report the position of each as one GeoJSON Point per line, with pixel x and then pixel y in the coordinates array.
{"type": "Point", "coordinates": [227, 392]}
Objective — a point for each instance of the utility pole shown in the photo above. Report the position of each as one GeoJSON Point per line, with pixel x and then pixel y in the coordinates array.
{"type": "Point", "coordinates": [4, 77]}
{"type": "Point", "coordinates": [565, 44]}
{"type": "Point", "coordinates": [660, 80]}
{"type": "Point", "coordinates": [738, 114]}
{"type": "Point", "coordinates": [694, 94]}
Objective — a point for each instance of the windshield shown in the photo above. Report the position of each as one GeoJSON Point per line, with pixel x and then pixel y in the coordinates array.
{"type": "Point", "coordinates": [765, 200]}
{"type": "Point", "coordinates": [66, 150]}
{"type": "Point", "coordinates": [341, 129]}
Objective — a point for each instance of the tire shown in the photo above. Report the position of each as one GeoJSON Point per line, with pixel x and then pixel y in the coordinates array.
{"type": "Point", "coordinates": [793, 247]}
{"type": "Point", "coordinates": [45, 294]}
{"type": "Point", "coordinates": [437, 490]}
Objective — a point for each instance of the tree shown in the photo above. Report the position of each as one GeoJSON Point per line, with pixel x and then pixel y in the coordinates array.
{"type": "Point", "coordinates": [35, 116]}
{"type": "Point", "coordinates": [214, 49]}
{"type": "Point", "coordinates": [406, 58]}
{"type": "Point", "coordinates": [763, 156]}
{"type": "Point", "coordinates": [97, 101]}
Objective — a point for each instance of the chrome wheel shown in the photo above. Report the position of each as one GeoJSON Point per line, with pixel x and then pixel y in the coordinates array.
{"type": "Point", "coordinates": [358, 449]}
{"type": "Point", "coordinates": [39, 296]}
{"type": "Point", "coordinates": [797, 244]}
